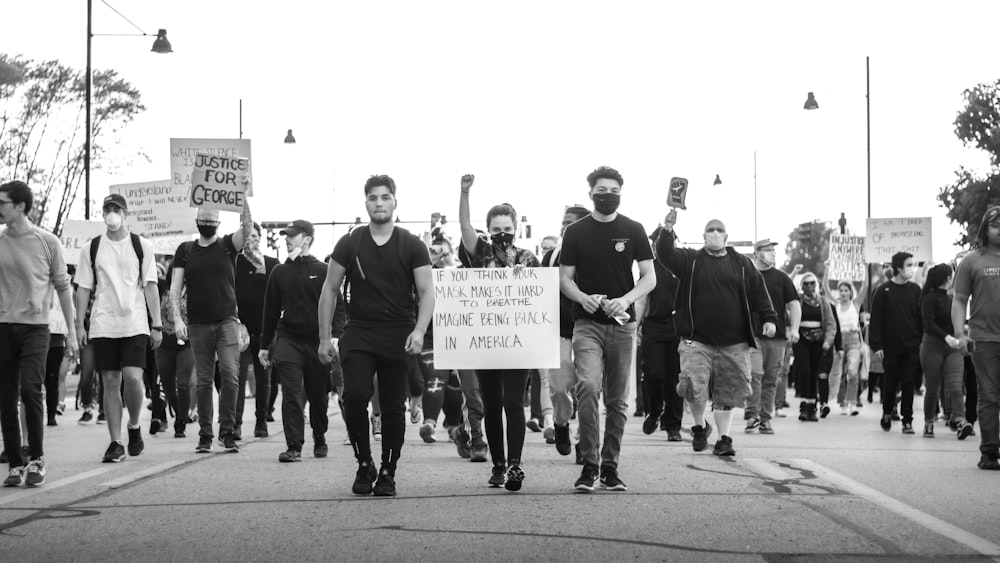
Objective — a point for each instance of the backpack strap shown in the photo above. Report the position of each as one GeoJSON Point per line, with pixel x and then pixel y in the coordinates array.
{"type": "Point", "coordinates": [95, 243]}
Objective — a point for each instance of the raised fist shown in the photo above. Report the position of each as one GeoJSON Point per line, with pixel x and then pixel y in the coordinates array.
{"type": "Point", "coordinates": [467, 181]}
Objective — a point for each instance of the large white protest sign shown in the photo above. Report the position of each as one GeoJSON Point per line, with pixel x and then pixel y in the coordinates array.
{"type": "Point", "coordinates": [886, 237]}
{"type": "Point", "coordinates": [491, 318]}
{"type": "Point", "coordinates": [217, 182]}
{"type": "Point", "coordinates": [158, 210]}
{"type": "Point", "coordinates": [847, 258]}
{"type": "Point", "coordinates": [183, 151]}
{"type": "Point", "coordinates": [76, 235]}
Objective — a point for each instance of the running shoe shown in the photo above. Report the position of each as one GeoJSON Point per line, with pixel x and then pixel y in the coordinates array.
{"type": "Point", "coordinates": [115, 453]}
{"type": "Point", "coordinates": [515, 476]}
{"type": "Point", "coordinates": [385, 485]}
{"type": "Point", "coordinates": [365, 478]}
{"type": "Point", "coordinates": [588, 479]}
{"type": "Point", "coordinates": [610, 480]}
{"type": "Point", "coordinates": [35, 473]}
{"type": "Point", "coordinates": [497, 476]}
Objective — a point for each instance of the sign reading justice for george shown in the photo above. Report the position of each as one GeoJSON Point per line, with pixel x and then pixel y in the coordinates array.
{"type": "Point", "coordinates": [217, 182]}
{"type": "Point", "coordinates": [492, 318]}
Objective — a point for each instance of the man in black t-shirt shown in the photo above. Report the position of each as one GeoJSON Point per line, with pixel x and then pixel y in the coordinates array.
{"type": "Point", "coordinates": [389, 273]}
{"type": "Point", "coordinates": [595, 272]}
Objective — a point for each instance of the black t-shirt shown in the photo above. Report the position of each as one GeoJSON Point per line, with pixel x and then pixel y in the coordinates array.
{"type": "Point", "coordinates": [250, 287]}
{"type": "Point", "coordinates": [382, 291]}
{"type": "Point", "coordinates": [782, 291]}
{"type": "Point", "coordinates": [660, 304]}
{"type": "Point", "coordinates": [551, 258]}
{"type": "Point", "coordinates": [210, 279]}
{"type": "Point", "coordinates": [717, 305]}
{"type": "Point", "coordinates": [603, 254]}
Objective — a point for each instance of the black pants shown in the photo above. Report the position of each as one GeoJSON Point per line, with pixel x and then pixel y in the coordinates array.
{"type": "Point", "coordinates": [502, 391]}
{"type": "Point", "coordinates": [53, 361]}
{"type": "Point", "coordinates": [535, 394]}
{"type": "Point", "coordinates": [661, 368]}
{"type": "Point", "coordinates": [176, 366]}
{"type": "Point", "coordinates": [262, 381]}
{"type": "Point", "coordinates": [23, 350]}
{"type": "Point", "coordinates": [151, 377]}
{"type": "Point", "coordinates": [303, 377]}
{"type": "Point", "coordinates": [453, 397]}
{"type": "Point", "coordinates": [901, 370]}
{"type": "Point", "coordinates": [971, 392]}
{"type": "Point", "coordinates": [91, 382]}
{"type": "Point", "coordinates": [807, 356]}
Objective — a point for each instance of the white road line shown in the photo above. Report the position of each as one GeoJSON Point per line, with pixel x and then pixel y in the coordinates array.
{"type": "Point", "coordinates": [765, 468]}
{"type": "Point", "coordinates": [941, 527]}
{"type": "Point", "coordinates": [48, 486]}
{"type": "Point", "coordinates": [132, 477]}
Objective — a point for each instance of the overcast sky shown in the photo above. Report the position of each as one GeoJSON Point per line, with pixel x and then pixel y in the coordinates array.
{"type": "Point", "coordinates": [531, 96]}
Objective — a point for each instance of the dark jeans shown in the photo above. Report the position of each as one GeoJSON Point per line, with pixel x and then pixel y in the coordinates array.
{"type": "Point", "coordinates": [987, 361]}
{"type": "Point", "coordinates": [971, 391]}
{"type": "Point", "coordinates": [53, 361]}
{"type": "Point", "coordinates": [151, 377]}
{"type": "Point", "coordinates": [661, 368]}
{"type": "Point", "coordinates": [303, 377]}
{"type": "Point", "coordinates": [23, 349]}
{"type": "Point", "coordinates": [452, 406]}
{"type": "Point", "coordinates": [435, 384]}
{"type": "Point", "coordinates": [262, 382]}
{"type": "Point", "coordinates": [502, 391]}
{"type": "Point", "coordinates": [807, 357]}
{"type": "Point", "coordinates": [176, 366]}
{"type": "Point", "coordinates": [901, 371]}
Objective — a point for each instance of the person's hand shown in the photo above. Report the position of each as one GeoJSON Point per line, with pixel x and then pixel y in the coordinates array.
{"type": "Point", "coordinates": [246, 180]}
{"type": "Point", "coordinates": [952, 342]}
{"type": "Point", "coordinates": [72, 347]}
{"type": "Point", "coordinates": [796, 269]}
{"type": "Point", "coordinates": [180, 329]}
{"type": "Point", "coordinates": [617, 307]}
{"type": "Point", "coordinates": [880, 355]}
{"type": "Point", "coordinates": [826, 346]}
{"type": "Point", "coordinates": [966, 345]}
{"type": "Point", "coordinates": [591, 303]}
{"type": "Point", "coordinates": [793, 336]}
{"type": "Point", "coordinates": [518, 268]}
{"type": "Point", "coordinates": [155, 338]}
{"type": "Point", "coordinates": [81, 337]}
{"type": "Point", "coordinates": [670, 220]}
{"type": "Point", "coordinates": [326, 353]}
{"type": "Point", "coordinates": [467, 181]}
{"type": "Point", "coordinates": [265, 358]}
{"type": "Point", "coordinates": [415, 342]}
{"type": "Point", "coordinates": [769, 329]}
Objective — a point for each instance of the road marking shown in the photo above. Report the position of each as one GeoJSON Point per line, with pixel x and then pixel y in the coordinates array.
{"type": "Point", "coordinates": [31, 491]}
{"type": "Point", "coordinates": [765, 468]}
{"type": "Point", "coordinates": [132, 477]}
{"type": "Point", "coordinates": [941, 527]}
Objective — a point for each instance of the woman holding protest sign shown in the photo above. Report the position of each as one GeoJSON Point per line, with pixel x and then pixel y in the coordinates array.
{"type": "Point", "coordinates": [502, 390]}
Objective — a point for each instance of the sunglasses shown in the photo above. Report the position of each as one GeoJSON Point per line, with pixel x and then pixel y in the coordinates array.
{"type": "Point", "coordinates": [808, 283]}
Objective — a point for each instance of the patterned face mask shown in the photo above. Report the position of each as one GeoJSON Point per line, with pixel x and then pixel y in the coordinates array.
{"type": "Point", "coordinates": [503, 244]}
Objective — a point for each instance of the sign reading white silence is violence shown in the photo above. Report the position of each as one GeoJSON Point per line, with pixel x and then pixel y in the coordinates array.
{"type": "Point", "coordinates": [491, 318]}
{"type": "Point", "coordinates": [183, 151]}
{"type": "Point", "coordinates": [217, 182]}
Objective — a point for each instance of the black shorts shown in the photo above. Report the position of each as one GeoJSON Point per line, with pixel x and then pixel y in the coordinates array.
{"type": "Point", "coordinates": [113, 354]}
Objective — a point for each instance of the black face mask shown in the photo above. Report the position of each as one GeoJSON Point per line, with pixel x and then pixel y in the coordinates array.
{"type": "Point", "coordinates": [606, 204]}
{"type": "Point", "coordinates": [503, 240]}
{"type": "Point", "coordinates": [207, 231]}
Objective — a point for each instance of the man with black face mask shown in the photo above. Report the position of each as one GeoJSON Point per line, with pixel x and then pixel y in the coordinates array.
{"type": "Point", "coordinates": [595, 272]}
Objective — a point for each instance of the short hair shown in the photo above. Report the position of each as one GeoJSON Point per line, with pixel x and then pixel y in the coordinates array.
{"type": "Point", "coordinates": [898, 259]}
{"type": "Point", "coordinates": [553, 238]}
{"type": "Point", "coordinates": [502, 209]}
{"type": "Point", "coordinates": [19, 192]}
{"type": "Point", "coordinates": [577, 210]}
{"type": "Point", "coordinates": [604, 172]}
{"type": "Point", "coordinates": [380, 180]}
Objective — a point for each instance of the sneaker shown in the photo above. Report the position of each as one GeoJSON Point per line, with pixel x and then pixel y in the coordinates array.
{"type": "Point", "coordinates": [907, 428]}
{"type": "Point", "coordinates": [204, 445]}
{"type": "Point", "coordinates": [115, 453]}
{"type": "Point", "coordinates": [765, 427]}
{"type": "Point", "coordinates": [460, 437]}
{"type": "Point", "coordinates": [895, 414]}
{"type": "Point", "coordinates": [376, 428]}
{"type": "Point", "coordinates": [650, 423]}
{"type": "Point", "coordinates": [155, 425]}
{"type": "Point", "coordinates": [579, 453]}
{"type": "Point", "coordinates": [674, 436]}
{"type": "Point", "coordinates": [724, 446]}
{"type": "Point", "coordinates": [700, 436]}
{"type": "Point", "coordinates": [101, 418]}
{"type": "Point", "coordinates": [549, 433]}
{"type": "Point", "coordinates": [587, 480]}
{"type": "Point", "coordinates": [52, 420]}
{"type": "Point", "coordinates": [320, 449]}
{"type": "Point", "coordinates": [534, 425]}
{"type": "Point", "coordinates": [179, 432]}
{"type": "Point", "coordinates": [228, 443]}
{"type": "Point", "coordinates": [780, 413]}
{"type": "Point", "coordinates": [416, 411]}
{"type": "Point", "coordinates": [427, 433]}
{"type": "Point", "coordinates": [477, 453]}
{"type": "Point", "coordinates": [15, 477]}
{"type": "Point", "coordinates": [497, 476]}
{"type": "Point", "coordinates": [61, 409]}
{"type": "Point", "coordinates": [365, 478]}
{"type": "Point", "coordinates": [35, 474]}
{"type": "Point", "coordinates": [752, 425]}
{"type": "Point", "coordinates": [886, 422]}
{"type": "Point", "coordinates": [260, 430]}
{"type": "Point", "coordinates": [268, 418]}
{"type": "Point", "coordinates": [563, 444]}
{"type": "Point", "coordinates": [385, 485]}
{"type": "Point", "coordinates": [86, 418]}
{"type": "Point", "coordinates": [610, 480]}
{"type": "Point", "coordinates": [964, 431]}
{"type": "Point", "coordinates": [135, 444]}
{"type": "Point", "coordinates": [237, 433]}
{"type": "Point", "coordinates": [515, 477]}
{"type": "Point", "coordinates": [928, 430]}
{"type": "Point", "coordinates": [824, 410]}
{"type": "Point", "coordinates": [988, 461]}
{"type": "Point", "coordinates": [290, 455]}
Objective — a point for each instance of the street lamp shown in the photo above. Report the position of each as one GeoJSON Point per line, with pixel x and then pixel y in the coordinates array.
{"type": "Point", "coordinates": [160, 45]}
{"type": "Point", "coordinates": [289, 139]}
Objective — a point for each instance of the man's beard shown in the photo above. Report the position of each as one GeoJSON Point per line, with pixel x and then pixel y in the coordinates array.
{"type": "Point", "coordinates": [379, 219]}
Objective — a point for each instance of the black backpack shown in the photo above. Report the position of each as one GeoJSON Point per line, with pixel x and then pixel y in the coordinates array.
{"type": "Point", "coordinates": [95, 243]}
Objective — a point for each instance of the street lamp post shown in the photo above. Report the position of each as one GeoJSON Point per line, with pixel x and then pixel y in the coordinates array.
{"type": "Point", "coordinates": [160, 45]}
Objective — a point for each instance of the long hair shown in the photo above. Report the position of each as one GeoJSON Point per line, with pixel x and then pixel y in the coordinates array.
{"type": "Point", "coordinates": [935, 277]}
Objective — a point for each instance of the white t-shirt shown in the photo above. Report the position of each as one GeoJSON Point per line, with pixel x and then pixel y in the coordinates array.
{"type": "Point", "coordinates": [848, 319]}
{"type": "Point", "coordinates": [119, 309]}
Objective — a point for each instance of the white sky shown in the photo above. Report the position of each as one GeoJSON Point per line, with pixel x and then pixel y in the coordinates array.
{"type": "Point", "coordinates": [531, 96]}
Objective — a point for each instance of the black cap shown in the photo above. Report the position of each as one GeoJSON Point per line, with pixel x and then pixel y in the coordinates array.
{"type": "Point", "coordinates": [116, 199]}
{"type": "Point", "coordinates": [298, 226]}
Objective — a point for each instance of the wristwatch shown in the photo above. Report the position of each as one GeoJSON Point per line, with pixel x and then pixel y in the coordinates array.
{"type": "Point", "coordinates": [159, 328]}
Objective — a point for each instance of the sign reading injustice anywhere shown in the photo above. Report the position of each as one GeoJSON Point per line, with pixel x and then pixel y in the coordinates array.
{"type": "Point", "coordinates": [183, 151]}
{"type": "Point", "coordinates": [847, 258]}
{"type": "Point", "coordinates": [217, 182]}
{"type": "Point", "coordinates": [490, 318]}
{"type": "Point", "coordinates": [888, 236]}
{"type": "Point", "coordinates": [77, 234]}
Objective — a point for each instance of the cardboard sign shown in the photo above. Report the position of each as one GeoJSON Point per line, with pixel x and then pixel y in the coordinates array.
{"type": "Point", "coordinates": [678, 192]}
{"type": "Point", "coordinates": [886, 237]}
{"type": "Point", "coordinates": [847, 258]}
{"type": "Point", "coordinates": [491, 318]}
{"type": "Point", "coordinates": [76, 235]}
{"type": "Point", "coordinates": [158, 210]}
{"type": "Point", "coordinates": [183, 151]}
{"type": "Point", "coordinates": [217, 182]}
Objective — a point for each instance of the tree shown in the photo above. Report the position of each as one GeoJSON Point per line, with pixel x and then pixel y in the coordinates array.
{"type": "Point", "coordinates": [42, 132]}
{"type": "Point", "coordinates": [977, 125]}
{"type": "Point", "coordinates": [809, 245]}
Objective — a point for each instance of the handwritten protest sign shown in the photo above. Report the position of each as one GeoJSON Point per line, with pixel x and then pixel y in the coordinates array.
{"type": "Point", "coordinates": [217, 182]}
{"type": "Point", "coordinates": [886, 237]}
{"type": "Point", "coordinates": [158, 210]}
{"type": "Point", "coordinates": [847, 258]}
{"type": "Point", "coordinates": [488, 318]}
{"type": "Point", "coordinates": [183, 151]}
{"type": "Point", "coordinates": [76, 235]}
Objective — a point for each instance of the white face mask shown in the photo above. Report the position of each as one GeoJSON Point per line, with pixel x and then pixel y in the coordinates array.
{"type": "Point", "coordinates": [715, 241]}
{"type": "Point", "coordinates": [296, 250]}
{"type": "Point", "coordinates": [909, 272]}
{"type": "Point", "coordinates": [113, 221]}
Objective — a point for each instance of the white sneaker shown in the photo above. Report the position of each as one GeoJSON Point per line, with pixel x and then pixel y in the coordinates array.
{"type": "Point", "coordinates": [376, 428]}
{"type": "Point", "coordinates": [15, 477]}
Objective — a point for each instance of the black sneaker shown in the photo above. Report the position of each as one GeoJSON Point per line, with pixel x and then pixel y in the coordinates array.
{"type": "Point", "coordinates": [579, 453]}
{"type": "Point", "coordinates": [320, 449]}
{"type": "Point", "coordinates": [237, 433]}
{"type": "Point", "coordinates": [907, 428]}
{"type": "Point", "coordinates": [228, 443]}
{"type": "Point", "coordinates": [478, 451]}
{"type": "Point", "coordinates": [385, 485]}
{"type": "Point", "coordinates": [270, 417]}
{"type": "Point", "coordinates": [650, 423]}
{"type": "Point", "coordinates": [365, 478]}
{"type": "Point", "coordinates": [588, 479]}
{"type": "Point", "coordinates": [964, 431]}
{"type": "Point", "coordinates": [928, 430]}
{"type": "Point", "coordinates": [260, 430]}
{"type": "Point", "coordinates": [204, 445]}
{"type": "Point", "coordinates": [155, 425]}
{"type": "Point", "coordinates": [674, 436]}
{"type": "Point", "coordinates": [886, 422]}
{"type": "Point", "coordinates": [115, 453]}
{"type": "Point", "coordinates": [753, 424]}
{"type": "Point", "coordinates": [515, 476]}
{"type": "Point", "coordinates": [534, 425]}
{"type": "Point", "coordinates": [497, 476]}
{"type": "Point", "coordinates": [135, 445]}
{"type": "Point", "coordinates": [179, 432]}
{"type": "Point", "coordinates": [824, 410]}
{"type": "Point", "coordinates": [290, 455]}
{"type": "Point", "coordinates": [700, 436]}
{"type": "Point", "coordinates": [460, 436]}
{"type": "Point", "coordinates": [989, 461]}
{"type": "Point", "coordinates": [724, 446]}
{"type": "Point", "coordinates": [563, 443]}
{"type": "Point", "coordinates": [52, 420]}
{"type": "Point", "coordinates": [610, 480]}
{"type": "Point", "coordinates": [101, 418]}
{"type": "Point", "coordinates": [15, 478]}
{"type": "Point", "coordinates": [34, 473]}
{"type": "Point", "coordinates": [86, 418]}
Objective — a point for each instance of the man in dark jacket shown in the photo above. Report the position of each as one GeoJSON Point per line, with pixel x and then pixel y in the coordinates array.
{"type": "Point", "coordinates": [720, 298]}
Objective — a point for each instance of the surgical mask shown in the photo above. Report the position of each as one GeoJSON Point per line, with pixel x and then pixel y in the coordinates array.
{"type": "Point", "coordinates": [296, 250]}
{"type": "Point", "coordinates": [606, 204]}
{"type": "Point", "coordinates": [910, 272]}
{"type": "Point", "coordinates": [207, 231]}
{"type": "Point", "coordinates": [503, 240]}
{"type": "Point", "coordinates": [715, 240]}
{"type": "Point", "coordinates": [114, 221]}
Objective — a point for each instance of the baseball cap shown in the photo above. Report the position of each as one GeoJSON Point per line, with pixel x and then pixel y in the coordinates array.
{"type": "Point", "coordinates": [991, 213]}
{"type": "Point", "coordinates": [115, 199]}
{"type": "Point", "coordinates": [298, 226]}
{"type": "Point", "coordinates": [763, 243]}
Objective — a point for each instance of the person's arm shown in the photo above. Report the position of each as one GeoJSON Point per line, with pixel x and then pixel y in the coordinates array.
{"type": "Point", "coordinates": [859, 297]}
{"type": "Point", "coordinates": [176, 285]}
{"type": "Point", "coordinates": [271, 309]}
{"type": "Point", "coordinates": [829, 323]}
{"type": "Point", "coordinates": [82, 301]}
{"type": "Point", "coordinates": [959, 310]}
{"type": "Point", "coordinates": [327, 304]}
{"type": "Point", "coordinates": [469, 238]}
{"type": "Point", "coordinates": [246, 227]}
{"type": "Point", "coordinates": [666, 243]}
{"type": "Point", "coordinates": [568, 287]}
{"type": "Point", "coordinates": [876, 324]}
{"type": "Point", "coordinates": [794, 309]}
{"type": "Point", "coordinates": [152, 294]}
{"type": "Point", "coordinates": [425, 308]}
